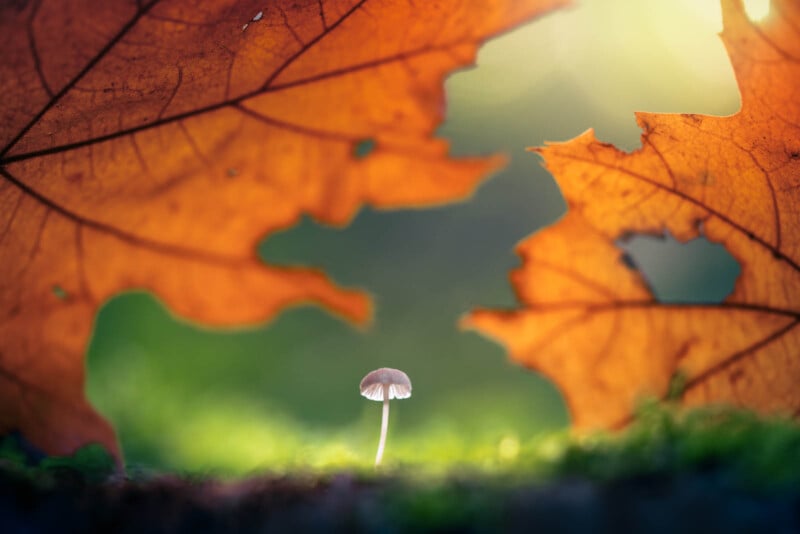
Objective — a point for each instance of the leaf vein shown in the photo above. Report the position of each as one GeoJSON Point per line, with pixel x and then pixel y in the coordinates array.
{"type": "Point", "coordinates": [83, 72]}
{"type": "Point", "coordinates": [122, 235]}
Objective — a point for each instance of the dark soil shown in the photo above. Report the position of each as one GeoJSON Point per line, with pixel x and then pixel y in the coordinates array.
{"type": "Point", "coordinates": [701, 501]}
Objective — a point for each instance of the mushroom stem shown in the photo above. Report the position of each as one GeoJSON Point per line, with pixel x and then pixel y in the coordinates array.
{"type": "Point", "coordinates": [384, 426]}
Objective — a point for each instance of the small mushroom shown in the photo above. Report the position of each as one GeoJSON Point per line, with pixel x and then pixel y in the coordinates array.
{"type": "Point", "coordinates": [385, 384]}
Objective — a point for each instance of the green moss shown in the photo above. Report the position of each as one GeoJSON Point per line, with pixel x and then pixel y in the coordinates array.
{"type": "Point", "coordinates": [665, 440]}
{"type": "Point", "coordinates": [89, 464]}
{"type": "Point", "coordinates": [662, 440]}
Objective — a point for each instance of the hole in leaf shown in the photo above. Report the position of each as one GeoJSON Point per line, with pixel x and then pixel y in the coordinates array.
{"type": "Point", "coordinates": [757, 10]}
{"type": "Point", "coordinates": [696, 271]}
{"type": "Point", "coordinates": [60, 292]}
{"type": "Point", "coordinates": [363, 148]}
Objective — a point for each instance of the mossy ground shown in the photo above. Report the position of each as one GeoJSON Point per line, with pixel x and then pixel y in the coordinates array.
{"type": "Point", "coordinates": [708, 469]}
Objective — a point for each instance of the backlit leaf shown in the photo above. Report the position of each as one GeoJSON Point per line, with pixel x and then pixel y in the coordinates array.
{"type": "Point", "coordinates": [591, 323]}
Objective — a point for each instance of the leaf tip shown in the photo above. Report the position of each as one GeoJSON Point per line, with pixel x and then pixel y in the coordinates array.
{"type": "Point", "coordinates": [487, 323]}
{"type": "Point", "coordinates": [361, 312]}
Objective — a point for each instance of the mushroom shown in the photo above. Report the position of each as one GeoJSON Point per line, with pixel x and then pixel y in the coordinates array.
{"type": "Point", "coordinates": [385, 384]}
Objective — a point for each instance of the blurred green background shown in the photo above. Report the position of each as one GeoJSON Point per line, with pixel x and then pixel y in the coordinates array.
{"type": "Point", "coordinates": [285, 395]}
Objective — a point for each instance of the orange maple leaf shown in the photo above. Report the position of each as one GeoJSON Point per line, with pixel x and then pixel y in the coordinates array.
{"type": "Point", "coordinates": [154, 144]}
{"type": "Point", "coordinates": [593, 326]}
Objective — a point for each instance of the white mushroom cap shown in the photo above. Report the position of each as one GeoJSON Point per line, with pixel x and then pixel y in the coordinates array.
{"type": "Point", "coordinates": [395, 380]}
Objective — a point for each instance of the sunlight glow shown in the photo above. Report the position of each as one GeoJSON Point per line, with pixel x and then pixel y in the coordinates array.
{"type": "Point", "coordinates": [620, 56]}
{"type": "Point", "coordinates": [508, 449]}
{"type": "Point", "coordinates": [757, 10]}
{"type": "Point", "coordinates": [707, 11]}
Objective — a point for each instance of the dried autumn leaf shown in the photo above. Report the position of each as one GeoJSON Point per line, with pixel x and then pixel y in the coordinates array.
{"type": "Point", "coordinates": [592, 324]}
{"type": "Point", "coordinates": [153, 144]}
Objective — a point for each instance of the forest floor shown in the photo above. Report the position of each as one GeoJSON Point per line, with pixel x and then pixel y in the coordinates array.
{"type": "Point", "coordinates": [707, 472]}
